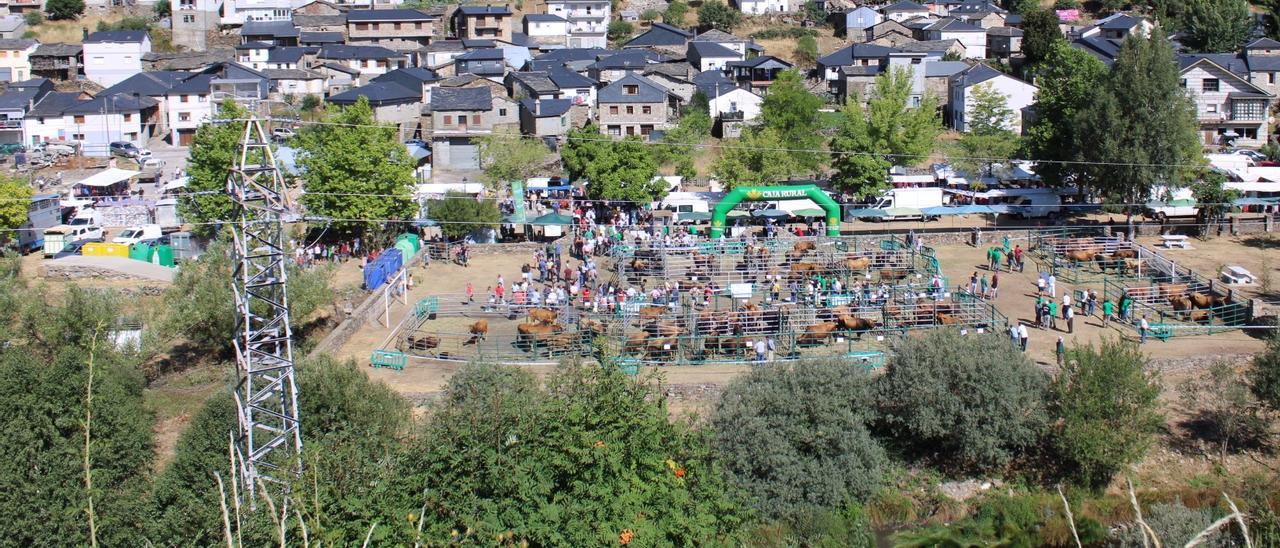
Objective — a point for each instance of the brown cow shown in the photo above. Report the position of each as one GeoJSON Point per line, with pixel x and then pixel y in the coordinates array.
{"type": "Point", "coordinates": [804, 246]}
{"type": "Point", "coordinates": [478, 331]}
{"type": "Point", "coordinates": [1199, 316]}
{"type": "Point", "coordinates": [1125, 254]}
{"type": "Point", "coordinates": [1180, 303]}
{"type": "Point", "coordinates": [854, 323]}
{"type": "Point", "coordinates": [425, 342]}
{"type": "Point", "coordinates": [635, 343]}
{"type": "Point", "coordinates": [1201, 300]}
{"type": "Point", "coordinates": [652, 312]}
{"type": "Point", "coordinates": [892, 274]}
{"type": "Point", "coordinates": [531, 334]}
{"type": "Point", "coordinates": [543, 316]}
{"type": "Point", "coordinates": [859, 263]}
{"type": "Point", "coordinates": [1080, 255]}
{"type": "Point", "coordinates": [805, 267]}
{"type": "Point", "coordinates": [948, 319]}
{"type": "Point", "coordinates": [639, 265]}
{"type": "Point", "coordinates": [817, 333]}
{"type": "Point", "coordinates": [661, 347]}
{"type": "Point", "coordinates": [664, 329]}
{"type": "Point", "coordinates": [1172, 290]}
{"type": "Point", "coordinates": [594, 327]}
{"type": "Point", "coordinates": [1132, 264]}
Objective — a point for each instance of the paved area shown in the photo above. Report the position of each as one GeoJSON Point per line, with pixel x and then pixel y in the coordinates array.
{"type": "Point", "coordinates": [123, 267]}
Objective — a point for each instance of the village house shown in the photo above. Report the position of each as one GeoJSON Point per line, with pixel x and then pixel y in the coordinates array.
{"type": "Point", "coordinates": [112, 56]}
{"type": "Point", "coordinates": [482, 22]}
{"type": "Point", "coordinates": [1019, 95]}
{"type": "Point", "coordinates": [632, 105]}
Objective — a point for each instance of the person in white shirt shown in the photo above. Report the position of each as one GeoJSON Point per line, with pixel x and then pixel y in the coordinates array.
{"type": "Point", "coordinates": [1023, 335]}
{"type": "Point", "coordinates": [1143, 327]}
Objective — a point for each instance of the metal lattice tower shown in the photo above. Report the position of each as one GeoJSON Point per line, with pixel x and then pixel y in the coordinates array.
{"type": "Point", "coordinates": [270, 440]}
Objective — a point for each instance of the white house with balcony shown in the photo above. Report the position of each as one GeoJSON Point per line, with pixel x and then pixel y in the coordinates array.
{"type": "Point", "coordinates": [187, 105]}
{"type": "Point", "coordinates": [762, 7]}
{"type": "Point", "coordinates": [588, 21]}
{"type": "Point", "coordinates": [111, 56]}
{"type": "Point", "coordinates": [1231, 110]}
{"type": "Point", "coordinates": [239, 12]}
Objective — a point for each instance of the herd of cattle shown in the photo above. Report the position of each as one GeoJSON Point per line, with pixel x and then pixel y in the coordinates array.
{"type": "Point", "coordinates": [795, 264]}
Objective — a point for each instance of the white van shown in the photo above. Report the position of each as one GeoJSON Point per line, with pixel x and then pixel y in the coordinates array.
{"type": "Point", "coordinates": [915, 198]}
{"type": "Point", "coordinates": [690, 202]}
{"type": "Point", "coordinates": [58, 237]}
{"type": "Point", "coordinates": [137, 234]}
{"type": "Point", "coordinates": [1178, 202]}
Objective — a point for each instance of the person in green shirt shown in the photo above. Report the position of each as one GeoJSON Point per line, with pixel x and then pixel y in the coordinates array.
{"type": "Point", "coordinates": [1053, 314]}
{"type": "Point", "coordinates": [1106, 312]}
{"type": "Point", "coordinates": [996, 255]}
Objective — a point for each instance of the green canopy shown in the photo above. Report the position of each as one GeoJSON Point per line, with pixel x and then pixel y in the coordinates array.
{"type": "Point", "coordinates": [902, 212]}
{"type": "Point", "coordinates": [811, 212]}
{"type": "Point", "coordinates": [771, 213]}
{"type": "Point", "coordinates": [695, 216]}
{"type": "Point", "coordinates": [1256, 201]}
{"type": "Point", "coordinates": [552, 219]}
{"type": "Point", "coordinates": [737, 213]}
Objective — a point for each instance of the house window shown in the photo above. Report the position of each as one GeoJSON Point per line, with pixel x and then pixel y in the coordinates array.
{"type": "Point", "coordinates": [1271, 78]}
{"type": "Point", "coordinates": [631, 109]}
{"type": "Point", "coordinates": [1211, 109]}
{"type": "Point", "coordinates": [77, 136]}
{"type": "Point", "coordinates": [1248, 110]}
{"type": "Point", "coordinates": [128, 117]}
{"type": "Point", "coordinates": [631, 130]}
{"type": "Point", "coordinates": [184, 98]}
{"type": "Point", "coordinates": [733, 107]}
{"type": "Point", "coordinates": [564, 121]}
{"type": "Point", "coordinates": [204, 98]}
{"type": "Point", "coordinates": [79, 119]}
{"type": "Point", "coordinates": [396, 26]}
{"type": "Point", "coordinates": [646, 130]}
{"type": "Point", "coordinates": [448, 120]}
{"type": "Point", "coordinates": [631, 89]}
{"type": "Point", "coordinates": [362, 26]}
{"type": "Point", "coordinates": [1209, 85]}
{"type": "Point", "coordinates": [4, 53]}
{"type": "Point", "coordinates": [613, 109]}
{"type": "Point", "coordinates": [1184, 83]}
{"type": "Point", "coordinates": [417, 26]}
{"type": "Point", "coordinates": [475, 119]}
{"type": "Point", "coordinates": [646, 109]}
{"type": "Point", "coordinates": [188, 19]}
{"type": "Point", "coordinates": [615, 131]}
{"type": "Point", "coordinates": [184, 116]}
{"type": "Point", "coordinates": [367, 63]}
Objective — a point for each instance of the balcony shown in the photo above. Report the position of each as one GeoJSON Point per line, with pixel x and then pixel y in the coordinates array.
{"type": "Point", "coordinates": [11, 123]}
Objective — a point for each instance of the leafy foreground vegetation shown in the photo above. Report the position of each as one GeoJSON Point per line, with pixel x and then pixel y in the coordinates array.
{"type": "Point", "coordinates": [817, 454]}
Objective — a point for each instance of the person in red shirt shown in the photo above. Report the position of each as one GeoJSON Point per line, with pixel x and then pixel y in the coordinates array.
{"type": "Point", "coordinates": [499, 291]}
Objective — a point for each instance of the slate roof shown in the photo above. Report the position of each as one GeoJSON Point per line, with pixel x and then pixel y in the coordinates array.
{"type": "Point", "coordinates": [17, 43]}
{"type": "Point", "coordinates": [477, 98]}
{"type": "Point", "coordinates": [565, 78]}
{"type": "Point", "coordinates": [354, 16]}
{"type": "Point", "coordinates": [151, 83]}
{"type": "Point", "coordinates": [847, 55]}
{"type": "Point", "coordinates": [1262, 63]}
{"type": "Point", "coordinates": [32, 83]}
{"type": "Point", "coordinates": [117, 36]}
{"type": "Point", "coordinates": [631, 59]}
{"type": "Point", "coordinates": [1004, 31]}
{"type": "Point", "coordinates": [547, 108]}
{"type": "Point", "coordinates": [292, 74]}
{"type": "Point", "coordinates": [766, 61]}
{"type": "Point", "coordinates": [977, 6]}
{"type": "Point", "coordinates": [1229, 61]}
{"type": "Point", "coordinates": [477, 43]}
{"type": "Point", "coordinates": [18, 99]}
{"type": "Point", "coordinates": [58, 50]}
{"type": "Point", "coordinates": [340, 68]}
{"type": "Point", "coordinates": [544, 18]}
{"type": "Point", "coordinates": [316, 37]}
{"type": "Point", "coordinates": [1119, 21]}
{"type": "Point", "coordinates": [711, 49]}
{"type": "Point", "coordinates": [338, 51]}
{"type": "Point", "coordinates": [648, 92]}
{"type": "Point", "coordinates": [944, 69]}
{"type": "Point", "coordinates": [539, 82]}
{"type": "Point", "coordinates": [1263, 43]}
{"type": "Point", "coordinates": [977, 74]}
{"type": "Point", "coordinates": [949, 24]}
{"type": "Point", "coordinates": [1102, 48]}
{"type": "Point", "coordinates": [904, 5]}
{"type": "Point", "coordinates": [278, 29]}
{"type": "Point", "coordinates": [410, 78]}
{"type": "Point", "coordinates": [254, 45]}
{"type": "Point", "coordinates": [575, 54]}
{"type": "Point", "coordinates": [197, 84]}
{"type": "Point", "coordinates": [929, 46]}
{"type": "Point", "coordinates": [482, 55]}
{"type": "Point", "coordinates": [106, 102]}
{"type": "Point", "coordinates": [289, 54]}
{"type": "Point", "coordinates": [444, 45]}
{"type": "Point", "coordinates": [54, 103]}
{"type": "Point", "coordinates": [660, 34]}
{"type": "Point", "coordinates": [717, 35]}
{"type": "Point", "coordinates": [484, 10]}
{"type": "Point", "coordinates": [378, 93]}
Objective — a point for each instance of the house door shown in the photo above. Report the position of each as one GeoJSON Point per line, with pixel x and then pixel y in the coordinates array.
{"type": "Point", "coordinates": [1210, 137]}
{"type": "Point", "coordinates": [463, 154]}
{"type": "Point", "coordinates": [185, 137]}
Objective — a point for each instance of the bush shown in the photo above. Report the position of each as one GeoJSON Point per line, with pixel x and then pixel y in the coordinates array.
{"type": "Point", "coordinates": [620, 30]}
{"type": "Point", "coordinates": [1034, 519]}
{"type": "Point", "coordinates": [58, 10]}
{"type": "Point", "coordinates": [1174, 524]}
{"type": "Point", "coordinates": [131, 22]}
{"type": "Point", "coordinates": [972, 401]}
{"type": "Point", "coordinates": [1264, 374]}
{"type": "Point", "coordinates": [715, 14]}
{"type": "Point", "coordinates": [675, 12]}
{"type": "Point", "coordinates": [797, 438]}
{"type": "Point", "coordinates": [1106, 407]}
{"type": "Point", "coordinates": [577, 464]}
{"type": "Point", "coordinates": [650, 15]}
{"type": "Point", "coordinates": [33, 18]}
{"type": "Point", "coordinates": [776, 33]}
{"type": "Point", "coordinates": [162, 9]}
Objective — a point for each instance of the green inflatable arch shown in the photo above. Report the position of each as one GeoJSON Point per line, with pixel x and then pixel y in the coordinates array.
{"type": "Point", "coordinates": [757, 193]}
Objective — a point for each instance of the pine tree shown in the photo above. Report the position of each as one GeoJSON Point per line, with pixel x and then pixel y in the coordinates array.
{"type": "Point", "coordinates": [1216, 26]}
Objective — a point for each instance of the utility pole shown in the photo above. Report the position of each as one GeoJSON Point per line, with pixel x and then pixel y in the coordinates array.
{"type": "Point", "coordinates": [270, 440]}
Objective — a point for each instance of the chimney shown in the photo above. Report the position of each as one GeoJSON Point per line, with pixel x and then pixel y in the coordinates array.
{"type": "Point", "coordinates": [84, 33]}
{"type": "Point", "coordinates": [537, 107]}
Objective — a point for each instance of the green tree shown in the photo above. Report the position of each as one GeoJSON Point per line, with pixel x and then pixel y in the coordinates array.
{"type": "Point", "coordinates": [1041, 35]}
{"type": "Point", "coordinates": [356, 169]}
{"type": "Point", "coordinates": [162, 10]}
{"type": "Point", "coordinates": [759, 157]}
{"type": "Point", "coordinates": [44, 397]}
{"type": "Point", "coordinates": [973, 401]}
{"type": "Point", "coordinates": [1022, 7]}
{"type": "Point", "coordinates": [15, 200]}
{"type": "Point", "coordinates": [34, 18]}
{"type": "Point", "coordinates": [806, 52]}
{"type": "Point", "coordinates": [1105, 402]}
{"type": "Point", "coordinates": [200, 309]}
{"type": "Point", "coordinates": [791, 111]}
{"type": "Point", "coordinates": [890, 131]}
{"type": "Point", "coordinates": [715, 14]}
{"type": "Point", "coordinates": [310, 102]}
{"type": "Point", "coordinates": [1264, 374]}
{"type": "Point", "coordinates": [990, 139]}
{"type": "Point", "coordinates": [620, 30]}
{"type": "Point", "coordinates": [1214, 199]}
{"type": "Point", "coordinates": [1214, 26]}
{"type": "Point", "coordinates": [1140, 128]}
{"type": "Point", "coordinates": [1069, 80]}
{"type": "Point", "coordinates": [352, 427]}
{"type": "Point", "coordinates": [501, 456]}
{"type": "Point", "coordinates": [460, 214]}
{"type": "Point", "coordinates": [59, 10]}
{"type": "Point", "coordinates": [620, 170]}
{"type": "Point", "coordinates": [508, 157]}
{"type": "Point", "coordinates": [213, 151]}
{"type": "Point", "coordinates": [693, 128]}
{"type": "Point", "coordinates": [650, 15]}
{"type": "Point", "coordinates": [675, 12]}
{"type": "Point", "coordinates": [797, 437]}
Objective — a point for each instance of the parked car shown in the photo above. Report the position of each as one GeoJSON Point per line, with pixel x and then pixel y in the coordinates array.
{"type": "Point", "coordinates": [54, 149]}
{"type": "Point", "coordinates": [282, 134]}
{"type": "Point", "coordinates": [75, 248]}
{"type": "Point", "coordinates": [125, 149]}
{"type": "Point", "coordinates": [137, 234]}
{"type": "Point", "coordinates": [151, 163]}
{"type": "Point", "coordinates": [1252, 154]}
{"type": "Point", "coordinates": [416, 142]}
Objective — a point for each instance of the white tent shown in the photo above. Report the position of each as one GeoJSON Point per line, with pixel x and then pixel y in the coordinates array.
{"type": "Point", "coordinates": [175, 184]}
{"type": "Point", "coordinates": [109, 177]}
